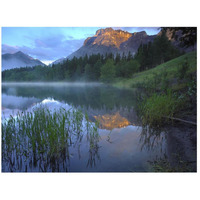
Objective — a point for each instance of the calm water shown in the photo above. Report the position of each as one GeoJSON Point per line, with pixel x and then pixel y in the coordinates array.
{"type": "Point", "coordinates": [123, 147]}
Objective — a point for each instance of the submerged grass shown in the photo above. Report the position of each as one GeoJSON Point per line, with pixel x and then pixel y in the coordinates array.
{"type": "Point", "coordinates": [42, 138]}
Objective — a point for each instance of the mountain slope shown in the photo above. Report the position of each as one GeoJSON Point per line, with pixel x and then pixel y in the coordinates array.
{"type": "Point", "coordinates": [170, 67]}
{"type": "Point", "coordinates": [112, 41]}
{"type": "Point", "coordinates": [18, 59]}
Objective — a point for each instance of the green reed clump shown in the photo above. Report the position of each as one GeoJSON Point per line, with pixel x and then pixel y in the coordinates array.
{"type": "Point", "coordinates": [93, 139]}
{"type": "Point", "coordinates": [158, 108]}
{"type": "Point", "coordinates": [42, 138]}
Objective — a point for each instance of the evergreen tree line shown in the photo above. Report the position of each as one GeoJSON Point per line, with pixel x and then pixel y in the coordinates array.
{"type": "Point", "coordinates": [99, 67]}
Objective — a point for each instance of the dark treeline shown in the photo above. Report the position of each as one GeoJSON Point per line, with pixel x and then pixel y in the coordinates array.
{"type": "Point", "coordinates": [99, 67]}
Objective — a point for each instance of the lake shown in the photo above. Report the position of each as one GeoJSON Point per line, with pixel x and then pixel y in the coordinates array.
{"type": "Point", "coordinates": [123, 144]}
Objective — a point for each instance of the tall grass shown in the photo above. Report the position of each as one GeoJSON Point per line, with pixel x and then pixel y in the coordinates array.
{"type": "Point", "coordinates": [40, 140]}
{"type": "Point", "coordinates": [158, 108]}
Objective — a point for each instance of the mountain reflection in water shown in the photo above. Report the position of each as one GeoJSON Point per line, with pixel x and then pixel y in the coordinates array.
{"type": "Point", "coordinates": [109, 121]}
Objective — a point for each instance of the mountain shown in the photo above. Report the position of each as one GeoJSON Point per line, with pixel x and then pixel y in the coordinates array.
{"type": "Point", "coordinates": [176, 37]}
{"type": "Point", "coordinates": [18, 59]}
{"type": "Point", "coordinates": [112, 41]}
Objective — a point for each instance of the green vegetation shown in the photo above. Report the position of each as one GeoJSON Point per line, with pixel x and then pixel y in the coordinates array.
{"type": "Point", "coordinates": [42, 138]}
{"type": "Point", "coordinates": [165, 91]}
{"type": "Point", "coordinates": [168, 70]}
{"type": "Point", "coordinates": [108, 71]}
{"type": "Point", "coordinates": [156, 108]}
{"type": "Point", "coordinates": [173, 94]}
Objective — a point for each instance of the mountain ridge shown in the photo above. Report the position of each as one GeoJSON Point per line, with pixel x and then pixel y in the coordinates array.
{"type": "Point", "coordinates": [112, 41]}
{"type": "Point", "coordinates": [18, 59]}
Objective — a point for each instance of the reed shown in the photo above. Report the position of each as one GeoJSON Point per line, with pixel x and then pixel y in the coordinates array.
{"type": "Point", "coordinates": [41, 139]}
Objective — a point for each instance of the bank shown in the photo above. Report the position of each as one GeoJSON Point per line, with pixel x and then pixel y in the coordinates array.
{"type": "Point", "coordinates": [167, 100]}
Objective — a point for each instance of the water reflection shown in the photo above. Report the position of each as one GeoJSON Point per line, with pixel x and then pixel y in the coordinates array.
{"type": "Point", "coordinates": [88, 96]}
{"type": "Point", "coordinates": [152, 138]}
{"type": "Point", "coordinates": [119, 145]}
{"type": "Point", "coordinates": [112, 121]}
{"type": "Point", "coordinates": [17, 102]}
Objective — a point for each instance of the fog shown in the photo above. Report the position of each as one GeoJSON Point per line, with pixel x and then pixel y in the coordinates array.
{"type": "Point", "coordinates": [58, 84]}
{"type": "Point", "coordinates": [17, 63]}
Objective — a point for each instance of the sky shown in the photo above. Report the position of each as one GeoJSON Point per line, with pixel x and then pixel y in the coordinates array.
{"type": "Point", "coordinates": [51, 43]}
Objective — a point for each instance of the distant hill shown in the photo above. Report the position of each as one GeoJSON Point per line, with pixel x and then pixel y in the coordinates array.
{"type": "Point", "coordinates": [18, 59]}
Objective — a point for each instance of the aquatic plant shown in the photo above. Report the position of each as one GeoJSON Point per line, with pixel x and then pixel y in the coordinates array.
{"type": "Point", "coordinates": [40, 140]}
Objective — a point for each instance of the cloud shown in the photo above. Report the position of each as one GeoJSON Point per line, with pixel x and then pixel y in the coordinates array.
{"type": "Point", "coordinates": [51, 48]}
{"type": "Point", "coordinates": [9, 49]}
{"type": "Point", "coordinates": [50, 42]}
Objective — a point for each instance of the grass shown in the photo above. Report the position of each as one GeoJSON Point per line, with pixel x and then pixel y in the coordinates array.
{"type": "Point", "coordinates": [169, 70]}
{"type": "Point", "coordinates": [41, 139]}
{"type": "Point", "coordinates": [157, 107]}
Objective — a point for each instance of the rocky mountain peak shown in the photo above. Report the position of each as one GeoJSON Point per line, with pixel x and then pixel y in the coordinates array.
{"type": "Point", "coordinates": [113, 41]}
{"type": "Point", "coordinates": [108, 37]}
{"type": "Point", "coordinates": [102, 31]}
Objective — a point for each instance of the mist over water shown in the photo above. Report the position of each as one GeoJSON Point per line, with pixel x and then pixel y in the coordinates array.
{"type": "Point", "coordinates": [55, 84]}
